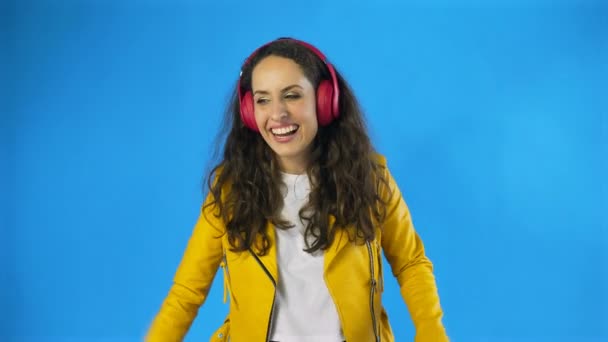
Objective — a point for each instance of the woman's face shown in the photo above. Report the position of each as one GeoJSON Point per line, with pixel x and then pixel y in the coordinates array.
{"type": "Point", "coordinates": [285, 111]}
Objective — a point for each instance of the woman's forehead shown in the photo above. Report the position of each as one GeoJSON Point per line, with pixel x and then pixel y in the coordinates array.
{"type": "Point", "coordinates": [277, 72]}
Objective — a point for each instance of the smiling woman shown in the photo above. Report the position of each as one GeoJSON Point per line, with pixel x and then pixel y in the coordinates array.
{"type": "Point", "coordinates": [298, 214]}
{"type": "Point", "coordinates": [286, 113]}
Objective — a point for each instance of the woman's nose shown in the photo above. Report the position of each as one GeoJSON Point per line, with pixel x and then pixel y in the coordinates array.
{"type": "Point", "coordinates": [279, 110]}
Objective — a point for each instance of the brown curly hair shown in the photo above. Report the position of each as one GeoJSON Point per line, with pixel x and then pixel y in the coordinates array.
{"type": "Point", "coordinates": [345, 177]}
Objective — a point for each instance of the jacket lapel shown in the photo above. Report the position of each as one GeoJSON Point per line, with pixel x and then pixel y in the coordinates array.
{"type": "Point", "coordinates": [341, 240]}
{"type": "Point", "coordinates": [270, 259]}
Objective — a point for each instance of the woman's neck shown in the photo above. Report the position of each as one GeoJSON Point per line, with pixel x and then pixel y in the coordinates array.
{"type": "Point", "coordinates": [291, 166]}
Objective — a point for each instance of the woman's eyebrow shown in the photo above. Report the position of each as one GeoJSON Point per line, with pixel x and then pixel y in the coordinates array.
{"type": "Point", "coordinates": [289, 87]}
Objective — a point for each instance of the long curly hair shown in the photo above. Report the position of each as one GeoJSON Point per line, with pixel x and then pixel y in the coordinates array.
{"type": "Point", "coordinates": [345, 178]}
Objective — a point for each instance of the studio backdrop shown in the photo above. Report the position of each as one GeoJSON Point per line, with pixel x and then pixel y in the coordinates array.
{"type": "Point", "coordinates": [492, 115]}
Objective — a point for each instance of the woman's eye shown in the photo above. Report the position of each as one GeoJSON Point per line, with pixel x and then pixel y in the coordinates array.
{"type": "Point", "coordinates": [292, 96]}
{"type": "Point", "coordinates": [261, 101]}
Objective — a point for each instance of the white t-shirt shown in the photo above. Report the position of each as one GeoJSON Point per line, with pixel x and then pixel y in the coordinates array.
{"type": "Point", "coordinates": [304, 310]}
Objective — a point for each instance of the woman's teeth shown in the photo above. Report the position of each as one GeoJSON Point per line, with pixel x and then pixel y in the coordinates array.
{"type": "Point", "coordinates": [284, 130]}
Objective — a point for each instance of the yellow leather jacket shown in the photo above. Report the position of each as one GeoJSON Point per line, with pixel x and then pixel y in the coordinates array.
{"type": "Point", "coordinates": [353, 274]}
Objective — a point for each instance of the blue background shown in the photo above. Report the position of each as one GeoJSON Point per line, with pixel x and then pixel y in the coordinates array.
{"type": "Point", "coordinates": [493, 116]}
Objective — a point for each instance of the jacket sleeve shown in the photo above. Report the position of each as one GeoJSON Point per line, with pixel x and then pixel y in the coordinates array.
{"type": "Point", "coordinates": [404, 251]}
{"type": "Point", "coordinates": [192, 279]}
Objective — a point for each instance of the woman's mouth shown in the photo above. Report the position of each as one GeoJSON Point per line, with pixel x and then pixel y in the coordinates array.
{"type": "Point", "coordinates": [285, 131]}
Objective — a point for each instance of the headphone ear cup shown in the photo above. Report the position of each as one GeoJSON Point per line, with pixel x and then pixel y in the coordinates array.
{"type": "Point", "coordinates": [325, 94]}
{"type": "Point", "coordinates": [247, 111]}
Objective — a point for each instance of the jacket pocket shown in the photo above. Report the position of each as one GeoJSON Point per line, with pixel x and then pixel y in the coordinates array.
{"type": "Point", "coordinates": [222, 334]}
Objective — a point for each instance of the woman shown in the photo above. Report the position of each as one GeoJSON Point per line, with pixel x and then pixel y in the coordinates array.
{"type": "Point", "coordinates": [298, 213]}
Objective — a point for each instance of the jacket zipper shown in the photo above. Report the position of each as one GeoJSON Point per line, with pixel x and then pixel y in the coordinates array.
{"type": "Point", "coordinates": [226, 280]}
{"type": "Point", "coordinates": [226, 275]}
{"type": "Point", "coordinates": [274, 283]}
{"type": "Point", "coordinates": [373, 290]}
{"type": "Point", "coordinates": [380, 273]}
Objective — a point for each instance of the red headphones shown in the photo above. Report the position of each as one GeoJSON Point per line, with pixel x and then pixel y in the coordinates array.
{"type": "Point", "coordinates": [327, 92]}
